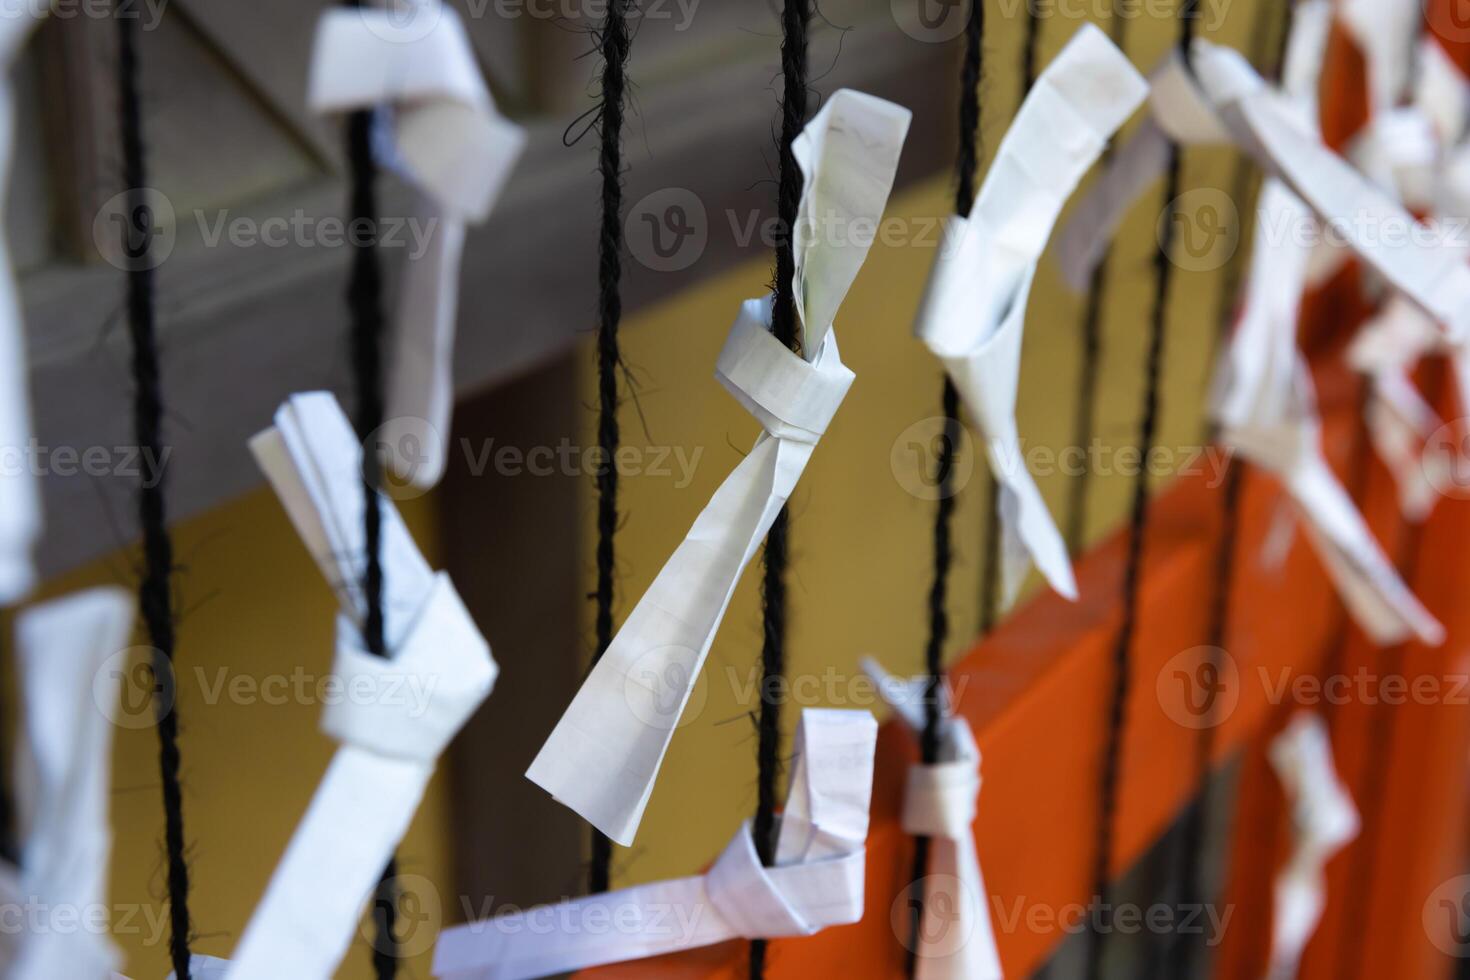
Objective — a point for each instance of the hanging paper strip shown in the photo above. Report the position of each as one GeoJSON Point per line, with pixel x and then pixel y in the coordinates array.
{"type": "Point", "coordinates": [816, 882]}
{"type": "Point", "coordinates": [603, 757]}
{"type": "Point", "coordinates": [974, 313]}
{"type": "Point", "coordinates": [438, 128]}
{"type": "Point", "coordinates": [20, 503]}
{"type": "Point", "coordinates": [69, 690]}
{"type": "Point", "coordinates": [1179, 113]}
{"type": "Point", "coordinates": [403, 711]}
{"type": "Point", "coordinates": [957, 938]}
{"type": "Point", "coordinates": [1323, 822]}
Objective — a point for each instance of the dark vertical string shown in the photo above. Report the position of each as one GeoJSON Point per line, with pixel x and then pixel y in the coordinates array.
{"type": "Point", "coordinates": [966, 165]}
{"type": "Point", "coordinates": [1138, 528]}
{"type": "Point", "coordinates": [155, 596]}
{"type": "Point", "coordinates": [1189, 891]}
{"type": "Point", "coordinates": [1031, 50]}
{"type": "Point", "coordinates": [365, 306]}
{"type": "Point", "coordinates": [9, 845]}
{"type": "Point", "coordinates": [1097, 291]}
{"type": "Point", "coordinates": [796, 18]}
{"type": "Point", "coordinates": [615, 43]}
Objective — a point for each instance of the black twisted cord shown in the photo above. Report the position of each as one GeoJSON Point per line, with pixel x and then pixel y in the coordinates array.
{"type": "Point", "coordinates": [615, 42]}
{"type": "Point", "coordinates": [155, 596]}
{"type": "Point", "coordinates": [1138, 529]}
{"type": "Point", "coordinates": [796, 18]}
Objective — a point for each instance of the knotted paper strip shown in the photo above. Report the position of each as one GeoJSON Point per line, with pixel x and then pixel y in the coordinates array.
{"type": "Point", "coordinates": [1266, 406]}
{"type": "Point", "coordinates": [974, 312]}
{"type": "Point", "coordinates": [389, 738]}
{"type": "Point", "coordinates": [817, 880]}
{"type": "Point", "coordinates": [1433, 274]}
{"type": "Point", "coordinates": [957, 938]}
{"type": "Point", "coordinates": [63, 772]}
{"type": "Point", "coordinates": [1179, 112]}
{"type": "Point", "coordinates": [1323, 821]}
{"type": "Point", "coordinates": [603, 756]}
{"type": "Point", "coordinates": [438, 129]}
{"type": "Point", "coordinates": [20, 502]}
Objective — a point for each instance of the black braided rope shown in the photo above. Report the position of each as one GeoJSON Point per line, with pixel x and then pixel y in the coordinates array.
{"type": "Point", "coordinates": [615, 43]}
{"type": "Point", "coordinates": [155, 595]}
{"type": "Point", "coordinates": [1138, 529]}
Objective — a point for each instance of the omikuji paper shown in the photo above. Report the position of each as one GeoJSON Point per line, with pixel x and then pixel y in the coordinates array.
{"type": "Point", "coordinates": [20, 502]}
{"type": "Point", "coordinates": [957, 939]}
{"type": "Point", "coordinates": [401, 712]}
{"type": "Point", "coordinates": [437, 127]}
{"type": "Point", "coordinates": [70, 693]}
{"type": "Point", "coordinates": [974, 311]}
{"type": "Point", "coordinates": [1323, 822]}
{"type": "Point", "coordinates": [816, 882]}
{"type": "Point", "coordinates": [604, 755]}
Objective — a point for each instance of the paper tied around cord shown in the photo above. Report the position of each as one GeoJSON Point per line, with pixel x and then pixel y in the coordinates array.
{"type": "Point", "coordinates": [939, 803]}
{"type": "Point", "coordinates": [603, 757]}
{"type": "Point", "coordinates": [1323, 821]}
{"type": "Point", "coordinates": [1179, 112]}
{"type": "Point", "coordinates": [389, 739]}
{"type": "Point", "coordinates": [438, 128]}
{"type": "Point", "coordinates": [1433, 274]}
{"type": "Point", "coordinates": [20, 500]}
{"type": "Point", "coordinates": [62, 783]}
{"type": "Point", "coordinates": [974, 310]}
{"type": "Point", "coordinates": [1266, 406]}
{"type": "Point", "coordinates": [816, 882]}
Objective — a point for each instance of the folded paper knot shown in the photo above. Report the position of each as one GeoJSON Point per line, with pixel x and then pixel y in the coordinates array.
{"type": "Point", "coordinates": [445, 134]}
{"type": "Point", "coordinates": [790, 397]}
{"type": "Point", "coordinates": [410, 705]}
{"type": "Point", "coordinates": [748, 897]}
{"type": "Point", "coordinates": [940, 800]}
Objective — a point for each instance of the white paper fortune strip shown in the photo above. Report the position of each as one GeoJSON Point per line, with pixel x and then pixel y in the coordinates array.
{"type": "Point", "coordinates": [1385, 32]}
{"type": "Point", "coordinates": [1181, 113]}
{"type": "Point", "coordinates": [1434, 274]}
{"type": "Point", "coordinates": [69, 689]}
{"type": "Point", "coordinates": [817, 880]}
{"type": "Point", "coordinates": [603, 756]}
{"type": "Point", "coordinates": [438, 129]}
{"type": "Point", "coordinates": [1323, 821]}
{"type": "Point", "coordinates": [1266, 407]}
{"type": "Point", "coordinates": [974, 312]}
{"type": "Point", "coordinates": [403, 711]}
{"type": "Point", "coordinates": [20, 502]}
{"type": "Point", "coordinates": [957, 942]}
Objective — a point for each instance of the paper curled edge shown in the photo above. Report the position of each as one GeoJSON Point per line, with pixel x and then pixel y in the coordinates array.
{"type": "Point", "coordinates": [817, 880]}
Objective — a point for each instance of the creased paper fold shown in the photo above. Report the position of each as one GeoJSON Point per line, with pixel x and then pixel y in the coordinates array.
{"type": "Point", "coordinates": [974, 311]}
{"type": "Point", "coordinates": [69, 690]}
{"type": "Point", "coordinates": [438, 128]}
{"type": "Point", "coordinates": [603, 756]}
{"type": "Point", "coordinates": [389, 740]}
{"type": "Point", "coordinates": [816, 882]}
{"type": "Point", "coordinates": [1323, 821]}
{"type": "Point", "coordinates": [957, 942]}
